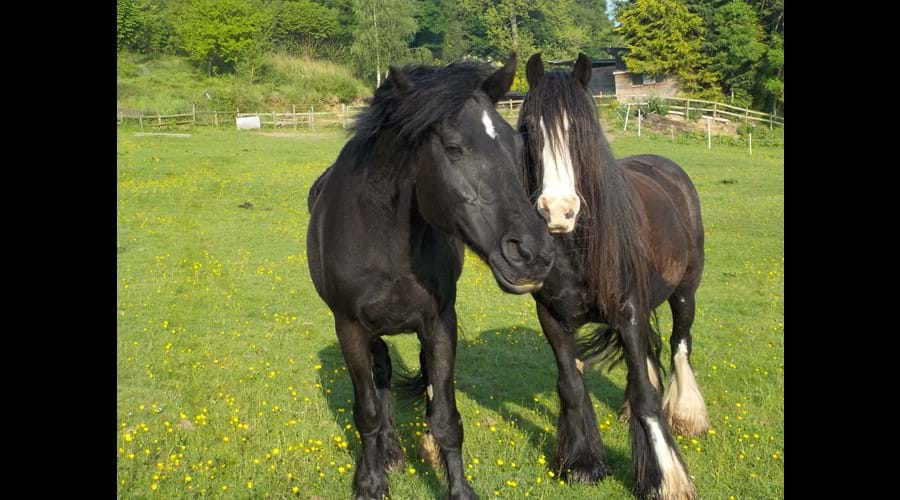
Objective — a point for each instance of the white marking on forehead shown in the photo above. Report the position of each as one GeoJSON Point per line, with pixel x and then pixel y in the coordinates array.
{"type": "Point", "coordinates": [488, 125]}
{"type": "Point", "coordinates": [559, 175]}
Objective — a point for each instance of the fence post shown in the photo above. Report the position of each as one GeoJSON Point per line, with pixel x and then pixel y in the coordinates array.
{"type": "Point", "coordinates": [751, 143]}
{"type": "Point", "coordinates": [312, 124]}
{"type": "Point", "coordinates": [672, 132]}
{"type": "Point", "coordinates": [770, 122]}
{"type": "Point", "coordinates": [627, 113]}
{"type": "Point", "coordinates": [274, 122]}
{"type": "Point", "coordinates": [715, 110]}
{"type": "Point", "coordinates": [141, 119]}
{"type": "Point", "coordinates": [639, 121]}
{"type": "Point", "coordinates": [193, 114]}
{"type": "Point", "coordinates": [746, 116]}
{"type": "Point", "coordinates": [687, 110]}
{"type": "Point", "coordinates": [159, 119]}
{"type": "Point", "coordinates": [216, 118]}
{"type": "Point", "coordinates": [294, 115]}
{"type": "Point", "coordinates": [708, 133]}
{"type": "Point", "coordinates": [344, 115]}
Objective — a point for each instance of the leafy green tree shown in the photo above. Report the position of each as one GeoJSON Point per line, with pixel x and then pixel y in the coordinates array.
{"type": "Point", "coordinates": [222, 33]}
{"type": "Point", "coordinates": [384, 30]}
{"type": "Point", "coordinates": [126, 24]}
{"type": "Point", "coordinates": [734, 43]}
{"type": "Point", "coordinates": [773, 75]}
{"type": "Point", "coordinates": [664, 37]}
{"type": "Point", "coordinates": [302, 20]}
{"type": "Point", "coordinates": [598, 26]}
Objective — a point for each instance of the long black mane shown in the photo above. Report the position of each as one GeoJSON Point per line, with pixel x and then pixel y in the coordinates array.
{"type": "Point", "coordinates": [609, 233]}
{"type": "Point", "coordinates": [410, 102]}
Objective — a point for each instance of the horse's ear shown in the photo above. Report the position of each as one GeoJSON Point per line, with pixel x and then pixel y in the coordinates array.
{"type": "Point", "coordinates": [534, 70]}
{"type": "Point", "coordinates": [582, 71]}
{"type": "Point", "coordinates": [498, 84]}
{"type": "Point", "coordinates": [400, 80]}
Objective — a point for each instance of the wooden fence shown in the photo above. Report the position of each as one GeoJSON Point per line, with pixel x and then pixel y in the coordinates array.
{"type": "Point", "coordinates": [509, 109]}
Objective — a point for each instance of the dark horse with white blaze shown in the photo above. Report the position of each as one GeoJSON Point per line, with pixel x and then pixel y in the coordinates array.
{"type": "Point", "coordinates": [431, 166]}
{"type": "Point", "coordinates": [628, 236]}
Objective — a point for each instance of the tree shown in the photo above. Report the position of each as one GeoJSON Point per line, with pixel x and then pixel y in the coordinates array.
{"type": "Point", "coordinates": [734, 43]}
{"type": "Point", "coordinates": [773, 79]}
{"type": "Point", "coordinates": [598, 26]}
{"type": "Point", "coordinates": [384, 30]}
{"type": "Point", "coordinates": [222, 33]}
{"type": "Point", "coordinates": [302, 20]}
{"type": "Point", "coordinates": [664, 37]}
{"type": "Point", "coordinates": [126, 24]}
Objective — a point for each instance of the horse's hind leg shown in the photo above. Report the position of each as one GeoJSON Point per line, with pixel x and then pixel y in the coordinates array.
{"type": "Point", "coordinates": [388, 444]}
{"type": "Point", "coordinates": [369, 481]}
{"type": "Point", "coordinates": [683, 402]}
{"type": "Point", "coordinates": [579, 451]}
{"type": "Point", "coordinates": [659, 471]}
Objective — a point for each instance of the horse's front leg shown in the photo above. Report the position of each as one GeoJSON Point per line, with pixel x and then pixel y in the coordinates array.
{"type": "Point", "coordinates": [659, 470]}
{"type": "Point", "coordinates": [579, 452]}
{"type": "Point", "coordinates": [369, 481]}
{"type": "Point", "coordinates": [439, 350]}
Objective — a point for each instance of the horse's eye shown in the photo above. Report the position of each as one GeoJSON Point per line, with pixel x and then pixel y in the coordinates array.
{"type": "Point", "coordinates": [453, 151]}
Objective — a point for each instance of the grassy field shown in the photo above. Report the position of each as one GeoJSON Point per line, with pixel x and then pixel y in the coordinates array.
{"type": "Point", "coordinates": [231, 383]}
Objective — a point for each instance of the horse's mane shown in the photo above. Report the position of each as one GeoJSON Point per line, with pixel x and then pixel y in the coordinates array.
{"type": "Point", "coordinates": [405, 111]}
{"type": "Point", "coordinates": [608, 231]}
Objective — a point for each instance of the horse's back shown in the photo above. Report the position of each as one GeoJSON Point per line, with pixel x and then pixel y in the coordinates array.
{"type": "Point", "coordinates": [673, 214]}
{"type": "Point", "coordinates": [674, 181]}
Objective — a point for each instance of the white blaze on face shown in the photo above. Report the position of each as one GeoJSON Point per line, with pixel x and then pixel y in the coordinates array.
{"type": "Point", "coordinates": [559, 202]}
{"type": "Point", "coordinates": [488, 125]}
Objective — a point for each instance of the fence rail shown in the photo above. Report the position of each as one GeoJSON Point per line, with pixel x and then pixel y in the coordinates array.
{"type": "Point", "coordinates": [509, 108]}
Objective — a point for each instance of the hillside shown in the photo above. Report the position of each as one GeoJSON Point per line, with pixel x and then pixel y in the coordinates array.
{"type": "Point", "coordinates": [170, 84]}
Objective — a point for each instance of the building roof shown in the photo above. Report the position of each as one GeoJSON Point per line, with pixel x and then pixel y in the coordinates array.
{"type": "Point", "coordinates": [616, 60]}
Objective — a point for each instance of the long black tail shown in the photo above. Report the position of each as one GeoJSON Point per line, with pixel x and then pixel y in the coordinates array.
{"type": "Point", "coordinates": [410, 387]}
{"type": "Point", "coordinates": [316, 189]}
{"type": "Point", "coordinates": [604, 345]}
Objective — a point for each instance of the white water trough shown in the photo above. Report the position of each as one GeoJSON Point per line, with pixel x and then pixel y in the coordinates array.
{"type": "Point", "coordinates": [248, 123]}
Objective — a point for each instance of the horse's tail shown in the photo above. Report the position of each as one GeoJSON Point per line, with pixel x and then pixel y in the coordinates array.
{"type": "Point", "coordinates": [316, 189]}
{"type": "Point", "coordinates": [604, 345]}
{"type": "Point", "coordinates": [410, 387]}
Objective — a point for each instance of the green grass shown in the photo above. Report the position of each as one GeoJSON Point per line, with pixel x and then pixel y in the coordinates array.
{"type": "Point", "coordinates": [229, 371]}
{"type": "Point", "coordinates": [170, 84]}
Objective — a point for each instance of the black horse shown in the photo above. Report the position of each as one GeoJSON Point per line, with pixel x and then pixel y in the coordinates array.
{"type": "Point", "coordinates": [431, 165]}
{"type": "Point", "coordinates": [628, 236]}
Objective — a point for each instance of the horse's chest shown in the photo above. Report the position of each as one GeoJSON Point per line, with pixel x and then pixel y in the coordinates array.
{"type": "Point", "coordinates": [397, 306]}
{"type": "Point", "coordinates": [566, 294]}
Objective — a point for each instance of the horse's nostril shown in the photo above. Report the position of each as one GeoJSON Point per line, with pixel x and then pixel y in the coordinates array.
{"type": "Point", "coordinates": [570, 214]}
{"type": "Point", "coordinates": [515, 251]}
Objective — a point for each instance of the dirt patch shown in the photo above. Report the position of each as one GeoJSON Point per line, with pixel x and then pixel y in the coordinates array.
{"type": "Point", "coordinates": [668, 123]}
{"type": "Point", "coordinates": [246, 205]}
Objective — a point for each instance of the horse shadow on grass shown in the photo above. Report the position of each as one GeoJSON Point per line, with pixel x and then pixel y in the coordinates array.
{"type": "Point", "coordinates": [505, 370]}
